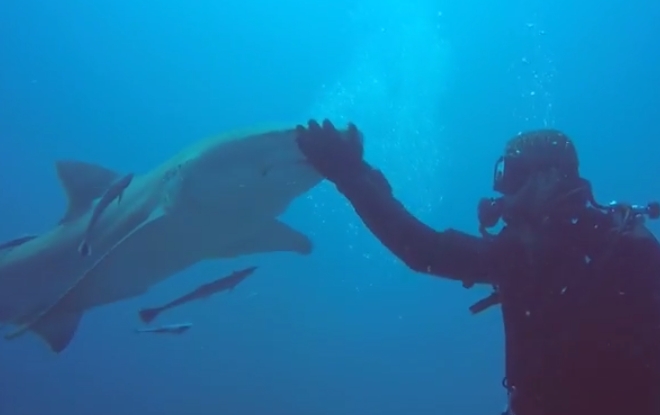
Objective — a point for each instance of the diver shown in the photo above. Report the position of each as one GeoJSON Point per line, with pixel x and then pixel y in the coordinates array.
{"type": "Point", "coordinates": [578, 282]}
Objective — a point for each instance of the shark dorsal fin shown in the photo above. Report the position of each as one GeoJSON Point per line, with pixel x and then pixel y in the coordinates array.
{"type": "Point", "coordinates": [83, 182]}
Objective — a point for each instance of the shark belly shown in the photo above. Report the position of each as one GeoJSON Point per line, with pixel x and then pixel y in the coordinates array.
{"type": "Point", "coordinates": [169, 245]}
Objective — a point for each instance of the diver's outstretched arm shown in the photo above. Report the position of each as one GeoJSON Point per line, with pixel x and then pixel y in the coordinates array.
{"type": "Point", "coordinates": [450, 254]}
{"type": "Point", "coordinates": [338, 155]}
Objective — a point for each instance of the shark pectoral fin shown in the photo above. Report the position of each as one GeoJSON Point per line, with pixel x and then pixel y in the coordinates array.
{"type": "Point", "coordinates": [83, 182]}
{"type": "Point", "coordinates": [275, 237]}
{"type": "Point", "coordinates": [56, 329]}
{"type": "Point", "coordinates": [281, 237]}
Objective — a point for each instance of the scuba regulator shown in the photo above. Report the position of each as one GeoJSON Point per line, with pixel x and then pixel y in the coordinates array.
{"type": "Point", "coordinates": [546, 162]}
{"type": "Point", "coordinates": [511, 173]}
{"type": "Point", "coordinates": [491, 210]}
{"type": "Point", "coordinates": [510, 180]}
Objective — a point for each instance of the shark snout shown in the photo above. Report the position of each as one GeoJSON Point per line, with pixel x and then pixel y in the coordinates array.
{"type": "Point", "coordinates": [297, 174]}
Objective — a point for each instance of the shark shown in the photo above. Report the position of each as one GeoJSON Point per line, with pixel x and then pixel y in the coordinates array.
{"type": "Point", "coordinates": [217, 199]}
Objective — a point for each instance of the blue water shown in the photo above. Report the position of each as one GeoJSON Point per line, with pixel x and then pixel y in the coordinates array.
{"type": "Point", "coordinates": [436, 86]}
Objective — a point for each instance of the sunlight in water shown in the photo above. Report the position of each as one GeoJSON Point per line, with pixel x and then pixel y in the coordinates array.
{"type": "Point", "coordinates": [391, 90]}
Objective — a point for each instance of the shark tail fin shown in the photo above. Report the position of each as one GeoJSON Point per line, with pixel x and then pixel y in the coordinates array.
{"type": "Point", "coordinates": [147, 315]}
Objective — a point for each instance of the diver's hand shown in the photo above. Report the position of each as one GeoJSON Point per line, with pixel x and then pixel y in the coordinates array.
{"type": "Point", "coordinates": [336, 155]}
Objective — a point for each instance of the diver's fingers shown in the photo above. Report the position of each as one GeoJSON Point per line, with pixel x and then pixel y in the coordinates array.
{"type": "Point", "coordinates": [327, 125]}
{"type": "Point", "coordinates": [355, 137]}
{"type": "Point", "coordinates": [353, 130]}
{"type": "Point", "coordinates": [313, 126]}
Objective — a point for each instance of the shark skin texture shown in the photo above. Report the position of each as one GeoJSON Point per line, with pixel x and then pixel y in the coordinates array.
{"type": "Point", "coordinates": [218, 199]}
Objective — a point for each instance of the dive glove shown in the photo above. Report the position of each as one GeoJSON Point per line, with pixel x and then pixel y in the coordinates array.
{"type": "Point", "coordinates": [336, 155]}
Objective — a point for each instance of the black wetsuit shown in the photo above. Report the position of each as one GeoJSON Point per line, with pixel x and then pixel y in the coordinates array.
{"type": "Point", "coordinates": [580, 302]}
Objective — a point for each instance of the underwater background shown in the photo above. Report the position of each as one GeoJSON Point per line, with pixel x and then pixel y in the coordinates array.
{"type": "Point", "coordinates": [437, 88]}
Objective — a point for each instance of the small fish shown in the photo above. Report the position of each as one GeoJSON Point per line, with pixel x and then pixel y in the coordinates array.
{"type": "Point", "coordinates": [203, 291]}
{"type": "Point", "coordinates": [115, 191]}
{"type": "Point", "coordinates": [16, 241]}
{"type": "Point", "coordinates": [167, 329]}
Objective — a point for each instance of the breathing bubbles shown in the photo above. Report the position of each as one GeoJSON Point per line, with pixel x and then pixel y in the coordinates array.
{"type": "Point", "coordinates": [535, 72]}
{"type": "Point", "coordinates": [392, 89]}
